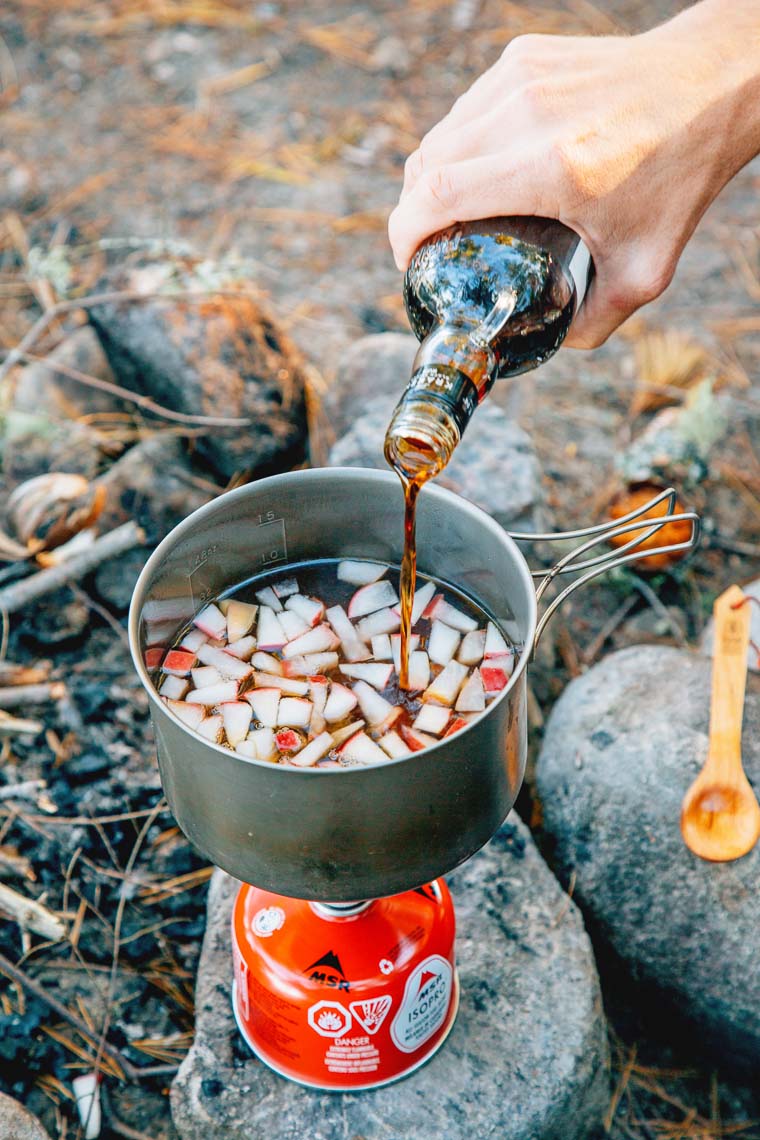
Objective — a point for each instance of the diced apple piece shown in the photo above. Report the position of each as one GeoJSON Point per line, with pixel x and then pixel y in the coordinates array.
{"type": "Point", "coordinates": [317, 640]}
{"type": "Point", "coordinates": [267, 597]}
{"type": "Point", "coordinates": [306, 665]}
{"type": "Point", "coordinates": [339, 703]}
{"type": "Point", "coordinates": [422, 599]}
{"type": "Point", "coordinates": [174, 687]}
{"type": "Point", "coordinates": [361, 749]}
{"type": "Point", "coordinates": [375, 596]}
{"type": "Point", "coordinates": [264, 703]}
{"type": "Point", "coordinates": [417, 740]}
{"type": "Point", "coordinates": [381, 647]}
{"type": "Point", "coordinates": [262, 741]}
{"type": "Point", "coordinates": [360, 573]}
{"type": "Point", "coordinates": [247, 749]}
{"type": "Point", "coordinates": [341, 734]}
{"type": "Point", "coordinates": [269, 633]}
{"type": "Point", "coordinates": [153, 657]}
{"type": "Point", "coordinates": [442, 643]}
{"type": "Point", "coordinates": [236, 717]}
{"type": "Point", "coordinates": [284, 684]}
{"type": "Point", "coordinates": [242, 648]}
{"type": "Point", "coordinates": [414, 642]}
{"type": "Point", "coordinates": [451, 616]}
{"type": "Point", "coordinates": [382, 621]}
{"type": "Point", "coordinates": [285, 588]}
{"type": "Point", "coordinates": [432, 718]}
{"type": "Point", "coordinates": [158, 610]}
{"type": "Point", "coordinates": [394, 746]}
{"type": "Point", "coordinates": [314, 751]}
{"type": "Point", "coordinates": [375, 672]}
{"type": "Point", "coordinates": [293, 624]}
{"type": "Point", "coordinates": [213, 694]}
{"type": "Point", "coordinates": [191, 715]}
{"type": "Point", "coordinates": [472, 698]}
{"type": "Point", "coordinates": [224, 605]}
{"type": "Point", "coordinates": [375, 709]}
{"type": "Point", "coordinates": [444, 688]}
{"type": "Point", "coordinates": [496, 672]}
{"type": "Point", "coordinates": [318, 689]}
{"type": "Point", "coordinates": [212, 621]}
{"type": "Point", "coordinates": [310, 610]}
{"type": "Point", "coordinates": [240, 619]}
{"type": "Point", "coordinates": [205, 675]}
{"type": "Point", "coordinates": [294, 712]}
{"type": "Point", "coordinates": [288, 740]}
{"type": "Point", "coordinates": [178, 662]}
{"type": "Point", "coordinates": [211, 729]}
{"type": "Point", "coordinates": [353, 649]}
{"type": "Point", "coordinates": [457, 723]}
{"type": "Point", "coordinates": [193, 640]}
{"type": "Point", "coordinates": [428, 610]}
{"type": "Point", "coordinates": [495, 645]}
{"type": "Point", "coordinates": [472, 648]}
{"type": "Point", "coordinates": [224, 662]}
{"type": "Point", "coordinates": [419, 671]}
{"type": "Point", "coordinates": [266, 663]}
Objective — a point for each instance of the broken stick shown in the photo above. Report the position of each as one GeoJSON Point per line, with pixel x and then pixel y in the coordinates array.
{"type": "Point", "coordinates": [19, 594]}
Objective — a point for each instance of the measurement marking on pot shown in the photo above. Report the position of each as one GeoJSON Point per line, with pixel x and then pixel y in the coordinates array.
{"type": "Point", "coordinates": [271, 540]}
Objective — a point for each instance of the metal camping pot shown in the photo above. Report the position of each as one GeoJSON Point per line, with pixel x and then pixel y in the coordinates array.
{"type": "Point", "coordinates": [359, 832]}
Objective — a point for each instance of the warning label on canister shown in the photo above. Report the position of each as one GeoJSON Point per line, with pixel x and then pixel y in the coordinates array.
{"type": "Point", "coordinates": [425, 1004]}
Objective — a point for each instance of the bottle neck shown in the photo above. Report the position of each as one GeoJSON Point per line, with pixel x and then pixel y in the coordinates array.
{"type": "Point", "coordinates": [453, 370]}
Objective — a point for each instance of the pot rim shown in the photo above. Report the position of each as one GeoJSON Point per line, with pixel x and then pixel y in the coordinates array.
{"type": "Point", "coordinates": [286, 481]}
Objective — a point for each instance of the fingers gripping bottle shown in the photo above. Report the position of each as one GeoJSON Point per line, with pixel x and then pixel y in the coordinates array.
{"type": "Point", "coordinates": [487, 299]}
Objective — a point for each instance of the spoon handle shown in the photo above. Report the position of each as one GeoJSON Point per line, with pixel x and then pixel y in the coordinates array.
{"type": "Point", "coordinates": [729, 676]}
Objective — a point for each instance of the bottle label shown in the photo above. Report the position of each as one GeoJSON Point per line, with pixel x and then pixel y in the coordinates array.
{"type": "Point", "coordinates": [578, 268]}
{"type": "Point", "coordinates": [447, 385]}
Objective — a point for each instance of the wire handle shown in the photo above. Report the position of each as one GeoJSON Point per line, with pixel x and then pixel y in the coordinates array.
{"type": "Point", "coordinates": [573, 561]}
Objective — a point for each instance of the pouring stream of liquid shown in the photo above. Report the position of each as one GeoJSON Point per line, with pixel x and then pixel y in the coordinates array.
{"type": "Point", "coordinates": [720, 816]}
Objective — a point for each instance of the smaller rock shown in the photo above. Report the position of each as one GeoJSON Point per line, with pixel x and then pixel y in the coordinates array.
{"type": "Point", "coordinates": [154, 484]}
{"type": "Point", "coordinates": [18, 1124]}
{"type": "Point", "coordinates": [116, 579]}
{"type": "Point", "coordinates": [707, 641]}
{"type": "Point", "coordinates": [495, 465]}
{"type": "Point", "coordinates": [34, 445]}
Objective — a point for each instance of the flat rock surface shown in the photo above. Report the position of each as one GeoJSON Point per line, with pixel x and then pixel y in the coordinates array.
{"type": "Point", "coordinates": [622, 746]}
{"type": "Point", "coordinates": [526, 1059]}
{"type": "Point", "coordinates": [16, 1123]}
{"type": "Point", "coordinates": [373, 368]}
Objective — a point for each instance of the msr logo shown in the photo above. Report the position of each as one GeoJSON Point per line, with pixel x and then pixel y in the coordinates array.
{"type": "Point", "coordinates": [327, 971]}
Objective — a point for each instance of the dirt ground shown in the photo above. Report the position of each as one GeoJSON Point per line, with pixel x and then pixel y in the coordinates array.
{"type": "Point", "coordinates": [274, 134]}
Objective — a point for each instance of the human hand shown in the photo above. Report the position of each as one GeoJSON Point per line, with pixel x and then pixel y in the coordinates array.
{"type": "Point", "coordinates": [626, 140]}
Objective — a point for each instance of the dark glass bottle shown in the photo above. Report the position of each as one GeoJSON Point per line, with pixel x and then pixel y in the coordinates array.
{"type": "Point", "coordinates": [488, 299]}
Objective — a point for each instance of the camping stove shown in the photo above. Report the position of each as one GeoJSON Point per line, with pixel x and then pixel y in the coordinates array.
{"type": "Point", "coordinates": [343, 996]}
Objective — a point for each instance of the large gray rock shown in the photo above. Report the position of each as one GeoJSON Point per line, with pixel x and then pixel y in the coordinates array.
{"type": "Point", "coordinates": [18, 1124]}
{"type": "Point", "coordinates": [526, 1059]}
{"type": "Point", "coordinates": [622, 746]}
{"type": "Point", "coordinates": [373, 368]}
{"type": "Point", "coordinates": [495, 465]}
{"type": "Point", "coordinates": [214, 355]}
{"type": "Point", "coordinates": [707, 641]}
{"type": "Point", "coordinates": [41, 387]}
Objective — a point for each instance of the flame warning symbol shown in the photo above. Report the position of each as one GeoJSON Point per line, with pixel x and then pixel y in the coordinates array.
{"type": "Point", "coordinates": [371, 1014]}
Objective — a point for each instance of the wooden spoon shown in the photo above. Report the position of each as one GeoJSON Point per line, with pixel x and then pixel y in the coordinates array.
{"type": "Point", "coordinates": [720, 816]}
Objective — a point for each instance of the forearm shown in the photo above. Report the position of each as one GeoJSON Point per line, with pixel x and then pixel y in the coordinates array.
{"type": "Point", "coordinates": [716, 49]}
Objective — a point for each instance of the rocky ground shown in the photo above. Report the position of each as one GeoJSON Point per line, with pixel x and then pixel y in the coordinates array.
{"type": "Point", "coordinates": [279, 131]}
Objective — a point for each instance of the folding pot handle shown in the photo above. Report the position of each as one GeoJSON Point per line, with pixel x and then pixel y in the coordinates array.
{"type": "Point", "coordinates": [574, 560]}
